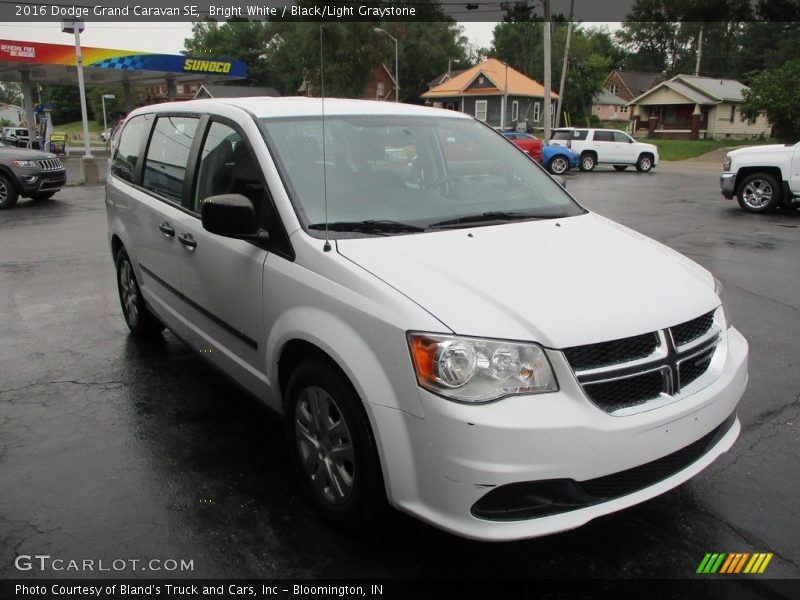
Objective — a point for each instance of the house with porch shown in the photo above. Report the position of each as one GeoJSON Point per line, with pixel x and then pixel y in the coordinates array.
{"type": "Point", "coordinates": [494, 93]}
{"type": "Point", "coordinates": [693, 107]}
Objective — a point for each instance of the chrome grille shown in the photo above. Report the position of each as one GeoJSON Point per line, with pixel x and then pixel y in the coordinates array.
{"type": "Point", "coordinates": [51, 164]}
{"type": "Point", "coordinates": [628, 375]}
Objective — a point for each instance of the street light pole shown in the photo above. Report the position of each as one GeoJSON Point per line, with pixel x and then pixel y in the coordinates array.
{"type": "Point", "coordinates": [449, 62]}
{"type": "Point", "coordinates": [103, 99]}
{"type": "Point", "coordinates": [396, 72]}
{"type": "Point", "coordinates": [76, 27]}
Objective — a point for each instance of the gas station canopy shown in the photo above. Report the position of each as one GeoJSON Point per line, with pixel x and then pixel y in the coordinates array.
{"type": "Point", "coordinates": [55, 64]}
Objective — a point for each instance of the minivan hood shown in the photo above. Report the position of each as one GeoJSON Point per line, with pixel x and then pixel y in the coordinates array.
{"type": "Point", "coordinates": [559, 282]}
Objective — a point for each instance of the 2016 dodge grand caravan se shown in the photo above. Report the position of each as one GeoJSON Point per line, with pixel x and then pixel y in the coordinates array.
{"type": "Point", "coordinates": [441, 325]}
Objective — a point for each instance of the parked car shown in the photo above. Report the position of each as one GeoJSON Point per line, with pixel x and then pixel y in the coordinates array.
{"type": "Point", "coordinates": [28, 173]}
{"type": "Point", "coordinates": [530, 144]}
{"type": "Point", "coordinates": [606, 146]}
{"type": "Point", "coordinates": [763, 177]}
{"type": "Point", "coordinates": [420, 303]}
{"type": "Point", "coordinates": [16, 136]}
{"type": "Point", "coordinates": [558, 160]}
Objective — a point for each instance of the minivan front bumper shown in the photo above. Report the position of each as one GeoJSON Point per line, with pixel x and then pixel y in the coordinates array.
{"type": "Point", "coordinates": [449, 466]}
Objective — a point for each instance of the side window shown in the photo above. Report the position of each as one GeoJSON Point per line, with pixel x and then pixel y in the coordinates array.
{"type": "Point", "coordinates": [480, 110]}
{"type": "Point", "coordinates": [167, 156]}
{"type": "Point", "coordinates": [603, 136]}
{"type": "Point", "coordinates": [227, 167]}
{"type": "Point", "coordinates": [130, 144]}
{"type": "Point", "coordinates": [580, 134]}
{"type": "Point", "coordinates": [621, 137]}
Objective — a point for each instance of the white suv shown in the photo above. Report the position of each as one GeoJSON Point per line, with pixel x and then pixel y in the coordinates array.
{"type": "Point", "coordinates": [606, 146]}
{"type": "Point", "coordinates": [440, 324]}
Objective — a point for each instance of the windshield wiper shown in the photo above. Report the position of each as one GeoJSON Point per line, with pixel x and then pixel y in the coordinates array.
{"type": "Point", "coordinates": [369, 226]}
{"type": "Point", "coordinates": [495, 215]}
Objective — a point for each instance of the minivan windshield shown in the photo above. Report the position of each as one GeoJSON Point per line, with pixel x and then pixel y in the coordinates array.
{"type": "Point", "coordinates": [388, 174]}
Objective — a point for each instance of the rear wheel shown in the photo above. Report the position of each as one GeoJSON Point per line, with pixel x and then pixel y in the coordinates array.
{"type": "Point", "coordinates": [140, 320]}
{"type": "Point", "coordinates": [332, 446]}
{"type": "Point", "coordinates": [8, 193]}
{"type": "Point", "coordinates": [588, 161]}
{"type": "Point", "coordinates": [558, 165]}
{"type": "Point", "coordinates": [645, 163]}
{"type": "Point", "coordinates": [620, 167]}
{"type": "Point", "coordinates": [759, 193]}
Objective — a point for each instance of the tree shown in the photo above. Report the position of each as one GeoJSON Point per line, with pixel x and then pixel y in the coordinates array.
{"type": "Point", "coordinates": [66, 103]}
{"type": "Point", "coordinates": [113, 106]}
{"type": "Point", "coordinates": [775, 92]}
{"type": "Point", "coordinates": [10, 93]}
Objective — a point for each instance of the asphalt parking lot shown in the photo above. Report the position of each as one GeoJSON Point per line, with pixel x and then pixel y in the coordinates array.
{"type": "Point", "coordinates": [115, 448]}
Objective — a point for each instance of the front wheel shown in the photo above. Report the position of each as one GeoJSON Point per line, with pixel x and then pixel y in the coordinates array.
{"type": "Point", "coordinates": [140, 320]}
{"type": "Point", "coordinates": [8, 193]}
{"type": "Point", "coordinates": [645, 163]}
{"type": "Point", "coordinates": [588, 161]}
{"type": "Point", "coordinates": [332, 446]}
{"type": "Point", "coordinates": [558, 165]}
{"type": "Point", "coordinates": [759, 193]}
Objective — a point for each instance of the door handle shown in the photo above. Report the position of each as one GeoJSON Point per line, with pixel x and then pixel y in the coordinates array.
{"type": "Point", "coordinates": [166, 229]}
{"type": "Point", "coordinates": [187, 240]}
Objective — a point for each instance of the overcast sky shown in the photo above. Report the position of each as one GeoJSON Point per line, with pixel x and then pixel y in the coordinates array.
{"type": "Point", "coordinates": [164, 37]}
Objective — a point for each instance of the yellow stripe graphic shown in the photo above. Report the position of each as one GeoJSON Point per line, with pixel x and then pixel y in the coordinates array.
{"type": "Point", "coordinates": [765, 563]}
{"type": "Point", "coordinates": [751, 564]}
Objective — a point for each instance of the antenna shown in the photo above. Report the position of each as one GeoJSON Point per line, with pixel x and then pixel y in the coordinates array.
{"type": "Point", "coordinates": [327, 246]}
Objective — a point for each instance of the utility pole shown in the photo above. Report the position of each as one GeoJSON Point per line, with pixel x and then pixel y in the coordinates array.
{"type": "Point", "coordinates": [547, 76]}
{"type": "Point", "coordinates": [564, 66]}
{"type": "Point", "coordinates": [699, 52]}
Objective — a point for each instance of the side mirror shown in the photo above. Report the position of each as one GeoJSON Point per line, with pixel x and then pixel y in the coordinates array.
{"type": "Point", "coordinates": [231, 215]}
{"type": "Point", "coordinates": [560, 181]}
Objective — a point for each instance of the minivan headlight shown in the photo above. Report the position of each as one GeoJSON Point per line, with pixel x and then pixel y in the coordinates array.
{"type": "Point", "coordinates": [475, 370]}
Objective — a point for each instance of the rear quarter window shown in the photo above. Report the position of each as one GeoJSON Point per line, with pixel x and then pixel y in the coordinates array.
{"type": "Point", "coordinates": [131, 143]}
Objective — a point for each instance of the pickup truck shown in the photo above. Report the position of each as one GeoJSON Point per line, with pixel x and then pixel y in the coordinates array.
{"type": "Point", "coordinates": [763, 177]}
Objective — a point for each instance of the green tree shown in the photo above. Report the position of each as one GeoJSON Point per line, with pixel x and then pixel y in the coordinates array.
{"type": "Point", "coordinates": [113, 105]}
{"type": "Point", "coordinates": [775, 92]}
{"type": "Point", "coordinates": [66, 103]}
{"type": "Point", "coordinates": [10, 93]}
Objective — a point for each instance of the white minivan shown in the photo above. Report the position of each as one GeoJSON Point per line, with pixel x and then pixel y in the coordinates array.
{"type": "Point", "coordinates": [442, 326]}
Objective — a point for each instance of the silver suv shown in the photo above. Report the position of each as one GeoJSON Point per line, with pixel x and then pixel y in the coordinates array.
{"type": "Point", "coordinates": [606, 146]}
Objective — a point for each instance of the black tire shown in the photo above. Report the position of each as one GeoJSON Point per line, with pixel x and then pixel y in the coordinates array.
{"type": "Point", "coordinates": [588, 161]}
{"type": "Point", "coordinates": [345, 486]}
{"type": "Point", "coordinates": [43, 196]}
{"type": "Point", "coordinates": [8, 193]}
{"type": "Point", "coordinates": [558, 165]}
{"type": "Point", "coordinates": [759, 193]}
{"type": "Point", "coordinates": [140, 320]}
{"type": "Point", "coordinates": [645, 163]}
{"type": "Point", "coordinates": [620, 167]}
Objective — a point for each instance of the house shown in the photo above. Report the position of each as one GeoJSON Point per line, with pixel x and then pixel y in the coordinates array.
{"type": "Point", "coordinates": [610, 107]}
{"type": "Point", "coordinates": [693, 107]}
{"type": "Point", "coordinates": [630, 84]}
{"type": "Point", "coordinates": [380, 84]}
{"type": "Point", "coordinates": [208, 90]}
{"type": "Point", "coordinates": [157, 93]}
{"type": "Point", "coordinates": [443, 77]}
{"type": "Point", "coordinates": [11, 113]}
{"type": "Point", "coordinates": [481, 90]}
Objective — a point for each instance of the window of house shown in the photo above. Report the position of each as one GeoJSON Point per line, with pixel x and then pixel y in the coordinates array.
{"type": "Point", "coordinates": [167, 156]}
{"type": "Point", "coordinates": [623, 109]}
{"type": "Point", "coordinates": [614, 89]}
{"type": "Point", "coordinates": [733, 113]}
{"type": "Point", "coordinates": [514, 110]}
{"type": "Point", "coordinates": [480, 110]}
{"type": "Point", "coordinates": [536, 112]}
{"type": "Point", "coordinates": [379, 91]}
